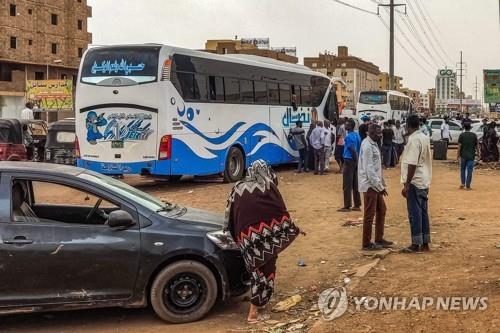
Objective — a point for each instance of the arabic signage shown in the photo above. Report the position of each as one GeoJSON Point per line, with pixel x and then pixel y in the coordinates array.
{"type": "Point", "coordinates": [291, 117]}
{"type": "Point", "coordinates": [260, 43]}
{"type": "Point", "coordinates": [291, 51]}
{"type": "Point", "coordinates": [492, 86]}
{"type": "Point", "coordinates": [116, 67]}
{"type": "Point", "coordinates": [50, 95]}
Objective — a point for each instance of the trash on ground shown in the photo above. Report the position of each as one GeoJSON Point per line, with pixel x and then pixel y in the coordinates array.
{"type": "Point", "coordinates": [287, 304]}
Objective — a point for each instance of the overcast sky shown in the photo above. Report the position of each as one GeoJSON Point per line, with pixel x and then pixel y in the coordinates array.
{"type": "Point", "coordinates": [313, 26]}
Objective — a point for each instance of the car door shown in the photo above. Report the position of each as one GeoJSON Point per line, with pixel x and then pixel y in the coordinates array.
{"type": "Point", "coordinates": [63, 259]}
{"type": "Point", "coordinates": [455, 131]}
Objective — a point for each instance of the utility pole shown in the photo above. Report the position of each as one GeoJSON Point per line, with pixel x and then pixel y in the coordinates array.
{"type": "Point", "coordinates": [476, 88]}
{"type": "Point", "coordinates": [391, 6]}
{"type": "Point", "coordinates": [461, 75]}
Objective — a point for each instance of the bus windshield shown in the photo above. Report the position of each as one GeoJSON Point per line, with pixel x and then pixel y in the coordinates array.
{"type": "Point", "coordinates": [373, 97]}
{"type": "Point", "coordinates": [120, 66]}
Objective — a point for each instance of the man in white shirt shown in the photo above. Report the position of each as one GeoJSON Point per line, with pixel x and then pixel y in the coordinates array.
{"type": "Point", "coordinates": [416, 175]}
{"type": "Point", "coordinates": [445, 131]}
{"type": "Point", "coordinates": [317, 141]}
{"type": "Point", "coordinates": [372, 185]}
{"type": "Point", "coordinates": [399, 139]}
{"type": "Point", "coordinates": [27, 113]}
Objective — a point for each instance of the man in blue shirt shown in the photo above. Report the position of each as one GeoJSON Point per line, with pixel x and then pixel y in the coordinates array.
{"type": "Point", "coordinates": [352, 146]}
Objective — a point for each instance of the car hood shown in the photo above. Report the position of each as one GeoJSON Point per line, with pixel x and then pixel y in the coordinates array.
{"type": "Point", "coordinates": [200, 217]}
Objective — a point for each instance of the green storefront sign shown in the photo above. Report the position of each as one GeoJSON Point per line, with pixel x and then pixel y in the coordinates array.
{"type": "Point", "coordinates": [491, 85]}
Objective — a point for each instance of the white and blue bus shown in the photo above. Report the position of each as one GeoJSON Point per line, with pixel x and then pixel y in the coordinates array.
{"type": "Point", "coordinates": [384, 105]}
{"type": "Point", "coordinates": [166, 111]}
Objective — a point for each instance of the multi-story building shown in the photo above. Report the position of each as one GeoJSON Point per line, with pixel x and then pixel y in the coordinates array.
{"type": "Point", "coordinates": [384, 82]}
{"type": "Point", "coordinates": [39, 40]}
{"type": "Point", "coordinates": [415, 95]}
{"type": "Point", "coordinates": [358, 74]}
{"type": "Point", "coordinates": [446, 89]}
{"type": "Point", "coordinates": [228, 46]}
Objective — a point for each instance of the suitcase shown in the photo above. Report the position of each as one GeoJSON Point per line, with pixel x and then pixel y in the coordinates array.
{"type": "Point", "coordinates": [440, 150]}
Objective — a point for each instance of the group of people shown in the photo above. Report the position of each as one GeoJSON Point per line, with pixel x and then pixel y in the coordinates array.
{"type": "Point", "coordinates": [363, 174]}
{"type": "Point", "coordinates": [316, 147]}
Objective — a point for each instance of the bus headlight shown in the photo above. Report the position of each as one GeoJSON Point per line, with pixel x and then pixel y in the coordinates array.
{"type": "Point", "coordinates": [223, 240]}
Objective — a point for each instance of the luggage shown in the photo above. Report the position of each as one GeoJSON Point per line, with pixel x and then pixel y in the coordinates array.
{"type": "Point", "coordinates": [440, 150]}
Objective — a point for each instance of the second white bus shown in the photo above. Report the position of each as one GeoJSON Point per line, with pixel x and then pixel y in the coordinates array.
{"type": "Point", "coordinates": [384, 105]}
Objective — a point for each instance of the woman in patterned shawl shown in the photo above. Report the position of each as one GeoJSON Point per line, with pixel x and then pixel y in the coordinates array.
{"type": "Point", "coordinates": [260, 224]}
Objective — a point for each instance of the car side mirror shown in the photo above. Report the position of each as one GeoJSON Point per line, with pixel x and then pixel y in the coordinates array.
{"type": "Point", "coordinates": [120, 218]}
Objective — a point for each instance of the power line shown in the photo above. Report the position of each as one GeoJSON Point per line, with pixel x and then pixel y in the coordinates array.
{"type": "Point", "coordinates": [354, 7]}
{"type": "Point", "coordinates": [438, 30]}
{"type": "Point", "coordinates": [409, 24]}
{"type": "Point", "coordinates": [424, 31]}
{"type": "Point", "coordinates": [431, 30]}
{"type": "Point", "coordinates": [405, 49]}
{"type": "Point", "coordinates": [408, 40]}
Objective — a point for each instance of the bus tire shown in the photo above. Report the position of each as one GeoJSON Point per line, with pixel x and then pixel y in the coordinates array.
{"type": "Point", "coordinates": [235, 166]}
{"type": "Point", "coordinates": [174, 178]}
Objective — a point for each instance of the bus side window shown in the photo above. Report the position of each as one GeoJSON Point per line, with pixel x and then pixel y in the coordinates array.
{"type": "Point", "coordinates": [274, 94]}
{"type": "Point", "coordinates": [305, 97]}
{"type": "Point", "coordinates": [260, 88]}
{"type": "Point", "coordinates": [232, 90]}
{"type": "Point", "coordinates": [247, 93]}
{"type": "Point", "coordinates": [200, 87]}
{"type": "Point", "coordinates": [296, 92]}
{"type": "Point", "coordinates": [186, 84]}
{"type": "Point", "coordinates": [285, 96]}
{"type": "Point", "coordinates": [216, 88]}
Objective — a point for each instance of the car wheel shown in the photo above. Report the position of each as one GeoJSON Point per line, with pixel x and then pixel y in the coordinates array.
{"type": "Point", "coordinates": [183, 292]}
{"type": "Point", "coordinates": [235, 166]}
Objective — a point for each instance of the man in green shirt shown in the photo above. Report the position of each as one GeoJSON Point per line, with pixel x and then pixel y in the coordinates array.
{"type": "Point", "coordinates": [467, 146]}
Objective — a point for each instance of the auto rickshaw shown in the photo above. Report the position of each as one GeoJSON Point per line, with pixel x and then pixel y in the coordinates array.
{"type": "Point", "coordinates": [12, 145]}
{"type": "Point", "coordinates": [37, 130]}
{"type": "Point", "coordinates": [60, 145]}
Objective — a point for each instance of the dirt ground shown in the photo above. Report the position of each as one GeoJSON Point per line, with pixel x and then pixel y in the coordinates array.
{"type": "Point", "coordinates": [464, 261]}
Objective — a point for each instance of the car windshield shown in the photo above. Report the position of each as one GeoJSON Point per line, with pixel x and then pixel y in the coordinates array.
{"type": "Point", "coordinates": [128, 191]}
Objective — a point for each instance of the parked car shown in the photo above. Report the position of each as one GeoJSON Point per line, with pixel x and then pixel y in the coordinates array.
{"type": "Point", "coordinates": [12, 146]}
{"type": "Point", "coordinates": [38, 132]}
{"type": "Point", "coordinates": [455, 129]}
{"type": "Point", "coordinates": [72, 239]}
{"type": "Point", "coordinates": [60, 145]}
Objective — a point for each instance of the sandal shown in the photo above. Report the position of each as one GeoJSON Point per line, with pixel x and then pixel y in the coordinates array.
{"type": "Point", "coordinates": [260, 318]}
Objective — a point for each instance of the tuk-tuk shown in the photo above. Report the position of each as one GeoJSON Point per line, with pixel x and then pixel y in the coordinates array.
{"type": "Point", "coordinates": [60, 146]}
{"type": "Point", "coordinates": [37, 130]}
{"type": "Point", "coordinates": [12, 146]}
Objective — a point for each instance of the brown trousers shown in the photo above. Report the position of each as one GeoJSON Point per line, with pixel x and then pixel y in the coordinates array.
{"type": "Point", "coordinates": [374, 206]}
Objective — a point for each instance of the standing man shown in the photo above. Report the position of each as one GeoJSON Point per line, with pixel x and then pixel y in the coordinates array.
{"type": "Point", "coordinates": [27, 112]}
{"type": "Point", "coordinates": [318, 143]}
{"type": "Point", "coordinates": [372, 185]}
{"type": "Point", "coordinates": [350, 173]}
{"type": "Point", "coordinates": [466, 154]}
{"type": "Point", "coordinates": [339, 146]}
{"type": "Point", "coordinates": [399, 139]}
{"type": "Point", "coordinates": [299, 138]}
{"type": "Point", "coordinates": [387, 136]}
{"type": "Point", "coordinates": [329, 139]}
{"type": "Point", "coordinates": [445, 131]}
{"type": "Point", "coordinates": [363, 128]}
{"type": "Point", "coordinates": [416, 175]}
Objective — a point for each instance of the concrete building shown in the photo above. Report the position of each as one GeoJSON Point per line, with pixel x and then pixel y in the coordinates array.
{"type": "Point", "coordinates": [383, 79]}
{"type": "Point", "coordinates": [39, 40]}
{"type": "Point", "coordinates": [415, 95]}
{"type": "Point", "coordinates": [228, 46]}
{"type": "Point", "coordinates": [358, 74]}
{"type": "Point", "coordinates": [428, 101]}
{"type": "Point", "coordinates": [446, 89]}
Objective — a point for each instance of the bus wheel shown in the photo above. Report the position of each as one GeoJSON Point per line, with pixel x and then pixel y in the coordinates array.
{"type": "Point", "coordinates": [174, 178]}
{"type": "Point", "coordinates": [235, 166]}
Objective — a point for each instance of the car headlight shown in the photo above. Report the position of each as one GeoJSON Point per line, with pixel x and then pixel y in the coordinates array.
{"type": "Point", "coordinates": [223, 240]}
